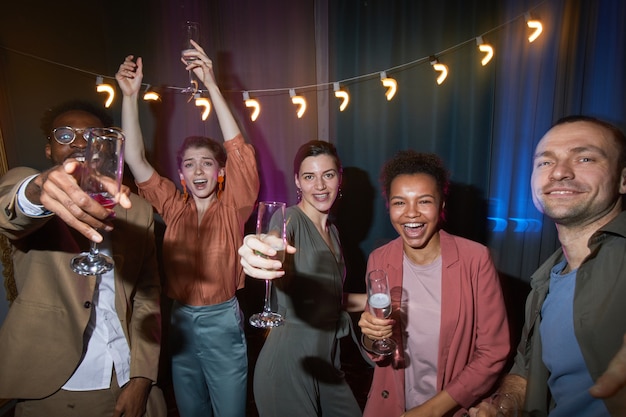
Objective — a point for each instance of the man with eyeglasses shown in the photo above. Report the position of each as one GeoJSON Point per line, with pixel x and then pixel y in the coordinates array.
{"type": "Point", "coordinates": [75, 345]}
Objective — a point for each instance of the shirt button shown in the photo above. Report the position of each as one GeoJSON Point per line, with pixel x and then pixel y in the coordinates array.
{"type": "Point", "coordinates": [87, 304]}
{"type": "Point", "coordinates": [384, 394]}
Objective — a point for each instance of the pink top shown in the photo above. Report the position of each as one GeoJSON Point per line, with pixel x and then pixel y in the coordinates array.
{"type": "Point", "coordinates": [474, 335]}
{"type": "Point", "coordinates": [422, 292]}
{"type": "Point", "coordinates": [200, 260]}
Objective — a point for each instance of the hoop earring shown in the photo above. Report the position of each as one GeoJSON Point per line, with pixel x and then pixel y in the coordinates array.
{"type": "Point", "coordinates": [220, 186]}
{"type": "Point", "coordinates": [185, 193]}
{"type": "Point", "coordinates": [299, 194]}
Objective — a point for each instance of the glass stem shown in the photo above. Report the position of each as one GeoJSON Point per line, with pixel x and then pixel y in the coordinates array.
{"type": "Point", "coordinates": [268, 294]}
{"type": "Point", "coordinates": [93, 251]}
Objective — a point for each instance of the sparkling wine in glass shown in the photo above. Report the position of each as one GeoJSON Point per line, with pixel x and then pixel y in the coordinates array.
{"type": "Point", "coordinates": [379, 301]}
{"type": "Point", "coordinates": [101, 178]}
{"type": "Point", "coordinates": [271, 229]}
{"type": "Point", "coordinates": [191, 31]}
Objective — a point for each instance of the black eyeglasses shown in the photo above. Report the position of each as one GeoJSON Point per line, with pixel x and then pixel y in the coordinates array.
{"type": "Point", "coordinates": [66, 134]}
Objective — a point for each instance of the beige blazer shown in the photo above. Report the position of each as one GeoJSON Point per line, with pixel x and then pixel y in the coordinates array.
{"type": "Point", "coordinates": [41, 339]}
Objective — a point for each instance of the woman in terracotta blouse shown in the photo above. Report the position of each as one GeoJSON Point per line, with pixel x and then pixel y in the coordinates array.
{"type": "Point", "coordinates": [204, 228]}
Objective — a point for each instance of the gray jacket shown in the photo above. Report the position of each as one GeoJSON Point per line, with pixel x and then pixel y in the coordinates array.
{"type": "Point", "coordinates": [599, 316]}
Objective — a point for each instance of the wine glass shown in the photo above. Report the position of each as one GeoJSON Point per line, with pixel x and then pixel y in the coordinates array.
{"type": "Point", "coordinates": [191, 30]}
{"type": "Point", "coordinates": [101, 178]}
{"type": "Point", "coordinates": [379, 301]}
{"type": "Point", "coordinates": [505, 404]}
{"type": "Point", "coordinates": [271, 229]}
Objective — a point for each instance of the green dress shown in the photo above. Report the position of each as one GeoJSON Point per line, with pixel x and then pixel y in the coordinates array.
{"type": "Point", "coordinates": [298, 370]}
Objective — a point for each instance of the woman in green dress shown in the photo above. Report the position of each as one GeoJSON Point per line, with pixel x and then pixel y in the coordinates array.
{"type": "Point", "coordinates": [298, 370]}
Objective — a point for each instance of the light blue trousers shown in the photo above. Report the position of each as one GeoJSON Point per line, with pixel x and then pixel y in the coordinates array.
{"type": "Point", "coordinates": [209, 360]}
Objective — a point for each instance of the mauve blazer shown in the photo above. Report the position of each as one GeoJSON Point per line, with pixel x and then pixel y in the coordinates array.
{"type": "Point", "coordinates": [474, 338]}
{"type": "Point", "coordinates": [41, 339]}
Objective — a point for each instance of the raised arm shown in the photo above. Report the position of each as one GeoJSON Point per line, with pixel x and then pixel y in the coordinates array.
{"type": "Point", "coordinates": [129, 77]}
{"type": "Point", "coordinates": [202, 67]}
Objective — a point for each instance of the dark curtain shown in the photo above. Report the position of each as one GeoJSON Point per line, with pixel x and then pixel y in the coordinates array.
{"type": "Point", "coordinates": [483, 121]}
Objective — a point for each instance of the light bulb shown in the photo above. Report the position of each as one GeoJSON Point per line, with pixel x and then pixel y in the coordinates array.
{"type": "Point", "coordinates": [105, 88]}
{"type": "Point", "coordinates": [486, 48]}
{"type": "Point", "coordinates": [390, 83]}
{"type": "Point", "coordinates": [343, 95]}
{"type": "Point", "coordinates": [203, 102]}
{"type": "Point", "coordinates": [441, 68]}
{"type": "Point", "coordinates": [533, 24]}
{"type": "Point", "coordinates": [299, 101]}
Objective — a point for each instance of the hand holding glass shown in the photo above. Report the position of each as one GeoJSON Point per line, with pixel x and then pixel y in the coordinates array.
{"type": "Point", "coordinates": [271, 229]}
{"type": "Point", "coordinates": [379, 301]}
{"type": "Point", "coordinates": [505, 405]}
{"type": "Point", "coordinates": [101, 178]}
{"type": "Point", "coordinates": [191, 32]}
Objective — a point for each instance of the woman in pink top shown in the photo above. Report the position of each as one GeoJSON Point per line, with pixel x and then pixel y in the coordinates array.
{"type": "Point", "coordinates": [449, 318]}
{"type": "Point", "coordinates": [204, 229]}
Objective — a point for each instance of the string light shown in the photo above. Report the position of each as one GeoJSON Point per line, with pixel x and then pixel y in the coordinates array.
{"type": "Point", "coordinates": [203, 102]}
{"type": "Point", "coordinates": [439, 67]}
{"type": "Point", "coordinates": [486, 48]}
{"type": "Point", "coordinates": [105, 88]}
{"type": "Point", "coordinates": [390, 83]}
{"type": "Point", "coordinates": [298, 101]}
{"type": "Point", "coordinates": [151, 95]}
{"type": "Point", "coordinates": [250, 102]}
{"type": "Point", "coordinates": [533, 24]}
{"type": "Point", "coordinates": [341, 94]}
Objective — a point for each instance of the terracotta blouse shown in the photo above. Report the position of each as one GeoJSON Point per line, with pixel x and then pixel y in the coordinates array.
{"type": "Point", "coordinates": [200, 260]}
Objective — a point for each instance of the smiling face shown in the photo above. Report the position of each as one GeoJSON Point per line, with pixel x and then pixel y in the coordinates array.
{"type": "Point", "coordinates": [76, 119]}
{"type": "Point", "coordinates": [319, 181]}
{"type": "Point", "coordinates": [200, 170]}
{"type": "Point", "coordinates": [576, 180]}
{"type": "Point", "coordinates": [415, 206]}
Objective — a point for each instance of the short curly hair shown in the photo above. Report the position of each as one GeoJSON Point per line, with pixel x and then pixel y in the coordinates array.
{"type": "Point", "coordinates": [410, 162]}
{"type": "Point", "coordinates": [52, 113]}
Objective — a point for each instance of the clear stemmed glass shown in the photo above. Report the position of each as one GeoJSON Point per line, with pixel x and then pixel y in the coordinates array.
{"type": "Point", "coordinates": [379, 301]}
{"type": "Point", "coordinates": [101, 178]}
{"type": "Point", "coordinates": [505, 404]}
{"type": "Point", "coordinates": [271, 229]}
{"type": "Point", "coordinates": [191, 32]}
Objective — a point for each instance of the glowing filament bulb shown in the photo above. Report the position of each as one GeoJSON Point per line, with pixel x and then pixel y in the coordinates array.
{"type": "Point", "coordinates": [442, 69]}
{"type": "Point", "coordinates": [533, 24]}
{"type": "Point", "coordinates": [105, 88]}
{"type": "Point", "coordinates": [203, 102]}
{"type": "Point", "coordinates": [298, 101]}
{"type": "Point", "coordinates": [390, 83]}
{"type": "Point", "coordinates": [250, 102]}
{"type": "Point", "coordinates": [486, 48]}
{"type": "Point", "coordinates": [343, 95]}
{"type": "Point", "coordinates": [151, 96]}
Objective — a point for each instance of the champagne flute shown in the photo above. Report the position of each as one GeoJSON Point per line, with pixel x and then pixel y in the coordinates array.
{"type": "Point", "coordinates": [101, 178]}
{"type": "Point", "coordinates": [271, 229]}
{"type": "Point", "coordinates": [191, 32]}
{"type": "Point", "coordinates": [379, 301]}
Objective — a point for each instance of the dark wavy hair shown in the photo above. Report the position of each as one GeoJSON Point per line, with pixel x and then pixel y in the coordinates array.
{"type": "Point", "coordinates": [202, 142]}
{"type": "Point", "coordinates": [315, 148]}
{"type": "Point", "coordinates": [52, 113]}
{"type": "Point", "coordinates": [412, 162]}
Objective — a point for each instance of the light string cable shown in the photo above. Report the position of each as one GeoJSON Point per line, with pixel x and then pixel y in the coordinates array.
{"type": "Point", "coordinates": [286, 90]}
